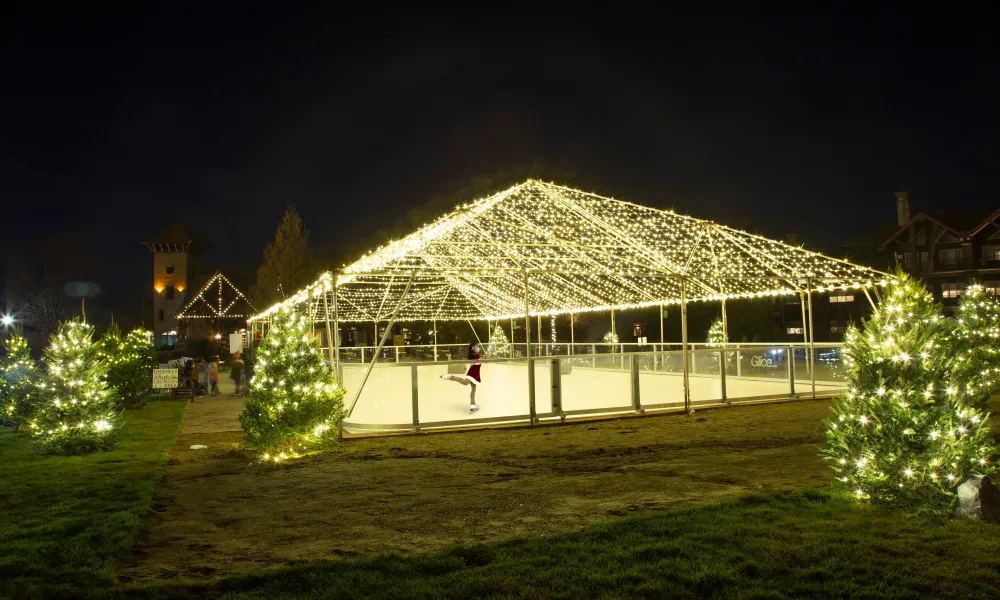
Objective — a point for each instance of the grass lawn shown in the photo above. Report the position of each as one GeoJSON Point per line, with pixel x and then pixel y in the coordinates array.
{"type": "Point", "coordinates": [807, 545]}
{"type": "Point", "coordinates": [65, 520]}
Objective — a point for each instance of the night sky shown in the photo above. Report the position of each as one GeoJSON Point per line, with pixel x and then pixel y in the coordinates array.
{"type": "Point", "coordinates": [114, 124]}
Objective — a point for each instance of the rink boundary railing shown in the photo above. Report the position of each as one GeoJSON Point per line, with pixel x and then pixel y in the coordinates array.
{"type": "Point", "coordinates": [636, 407]}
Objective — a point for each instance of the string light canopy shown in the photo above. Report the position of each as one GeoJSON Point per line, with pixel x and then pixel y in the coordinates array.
{"type": "Point", "coordinates": [218, 299]}
{"type": "Point", "coordinates": [579, 251]}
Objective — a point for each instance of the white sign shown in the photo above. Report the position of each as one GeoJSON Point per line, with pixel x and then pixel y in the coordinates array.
{"type": "Point", "coordinates": [642, 341]}
{"type": "Point", "coordinates": [164, 379]}
{"type": "Point", "coordinates": [235, 343]}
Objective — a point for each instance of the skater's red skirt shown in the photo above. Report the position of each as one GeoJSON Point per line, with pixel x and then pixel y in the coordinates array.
{"type": "Point", "coordinates": [474, 373]}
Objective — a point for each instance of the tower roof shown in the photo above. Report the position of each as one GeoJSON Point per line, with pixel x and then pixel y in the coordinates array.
{"type": "Point", "coordinates": [175, 237]}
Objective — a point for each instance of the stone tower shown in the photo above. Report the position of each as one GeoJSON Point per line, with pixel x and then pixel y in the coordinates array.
{"type": "Point", "coordinates": [176, 259]}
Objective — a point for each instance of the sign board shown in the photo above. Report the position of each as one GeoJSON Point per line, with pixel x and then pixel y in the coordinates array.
{"type": "Point", "coordinates": [235, 343]}
{"type": "Point", "coordinates": [164, 379]}
{"type": "Point", "coordinates": [641, 341]}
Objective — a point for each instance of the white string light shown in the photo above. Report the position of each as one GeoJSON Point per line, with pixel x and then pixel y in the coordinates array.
{"type": "Point", "coordinates": [582, 252]}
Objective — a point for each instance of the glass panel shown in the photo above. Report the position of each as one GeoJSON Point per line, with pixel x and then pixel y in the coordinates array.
{"type": "Point", "coordinates": [661, 379]}
{"type": "Point", "coordinates": [386, 398]}
{"type": "Point", "coordinates": [502, 393]}
{"type": "Point", "coordinates": [704, 377]}
{"type": "Point", "coordinates": [586, 387]}
{"type": "Point", "coordinates": [756, 372]}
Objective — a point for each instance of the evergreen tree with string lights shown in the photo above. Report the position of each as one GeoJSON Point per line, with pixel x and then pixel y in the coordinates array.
{"type": "Point", "coordinates": [499, 344]}
{"type": "Point", "coordinates": [74, 407]}
{"type": "Point", "coordinates": [907, 432]}
{"type": "Point", "coordinates": [977, 344]}
{"type": "Point", "coordinates": [17, 372]}
{"type": "Point", "coordinates": [295, 404]}
{"type": "Point", "coordinates": [716, 337]}
{"type": "Point", "coordinates": [130, 360]}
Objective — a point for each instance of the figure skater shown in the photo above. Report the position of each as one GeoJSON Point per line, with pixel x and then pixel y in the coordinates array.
{"type": "Point", "coordinates": [472, 377]}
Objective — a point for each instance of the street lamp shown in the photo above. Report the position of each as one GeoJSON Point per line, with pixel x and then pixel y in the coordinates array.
{"type": "Point", "coordinates": [7, 320]}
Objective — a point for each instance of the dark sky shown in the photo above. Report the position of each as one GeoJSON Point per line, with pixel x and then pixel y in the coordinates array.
{"type": "Point", "coordinates": [113, 124]}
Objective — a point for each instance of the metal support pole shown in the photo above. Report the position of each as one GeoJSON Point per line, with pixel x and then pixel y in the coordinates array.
{"type": "Point", "coordinates": [791, 370]}
{"type": "Point", "coordinates": [725, 325]}
{"type": "Point", "coordinates": [684, 345]}
{"type": "Point", "coordinates": [634, 376]}
{"type": "Point", "coordinates": [572, 333]}
{"type": "Point", "coordinates": [531, 366]}
{"type": "Point", "coordinates": [869, 296]}
{"type": "Point", "coordinates": [435, 339]}
{"type": "Point", "coordinates": [413, 397]}
{"type": "Point", "coordinates": [663, 346]}
{"type": "Point", "coordinates": [339, 370]}
{"type": "Point", "coordinates": [812, 339]}
{"type": "Point", "coordinates": [805, 329]}
{"type": "Point", "coordinates": [556, 398]}
{"type": "Point", "coordinates": [739, 362]}
{"type": "Point", "coordinates": [381, 343]}
{"type": "Point", "coordinates": [722, 374]}
{"type": "Point", "coordinates": [329, 333]}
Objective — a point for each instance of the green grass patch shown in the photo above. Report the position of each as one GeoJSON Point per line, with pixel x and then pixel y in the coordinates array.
{"type": "Point", "coordinates": [810, 545]}
{"type": "Point", "coordinates": [65, 520]}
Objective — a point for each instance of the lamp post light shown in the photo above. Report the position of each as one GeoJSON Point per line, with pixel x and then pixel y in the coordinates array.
{"type": "Point", "coordinates": [7, 320]}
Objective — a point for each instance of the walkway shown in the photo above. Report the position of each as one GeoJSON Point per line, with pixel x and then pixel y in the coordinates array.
{"type": "Point", "coordinates": [214, 414]}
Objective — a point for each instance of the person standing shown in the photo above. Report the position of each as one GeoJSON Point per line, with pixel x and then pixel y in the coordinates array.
{"type": "Point", "coordinates": [236, 372]}
{"type": "Point", "coordinates": [213, 377]}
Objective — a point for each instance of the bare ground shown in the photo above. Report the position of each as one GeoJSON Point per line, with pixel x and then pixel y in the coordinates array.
{"type": "Point", "coordinates": [218, 514]}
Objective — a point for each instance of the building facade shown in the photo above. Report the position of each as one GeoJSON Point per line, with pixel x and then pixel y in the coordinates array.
{"type": "Point", "coordinates": [947, 251]}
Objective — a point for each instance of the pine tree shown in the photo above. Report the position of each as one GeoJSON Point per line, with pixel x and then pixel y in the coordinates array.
{"type": "Point", "coordinates": [977, 341]}
{"type": "Point", "coordinates": [716, 337]}
{"type": "Point", "coordinates": [17, 372]}
{"type": "Point", "coordinates": [295, 405]}
{"type": "Point", "coordinates": [906, 434]}
{"type": "Point", "coordinates": [130, 360]}
{"type": "Point", "coordinates": [74, 409]}
{"type": "Point", "coordinates": [499, 345]}
{"type": "Point", "coordinates": [610, 339]}
{"type": "Point", "coordinates": [287, 262]}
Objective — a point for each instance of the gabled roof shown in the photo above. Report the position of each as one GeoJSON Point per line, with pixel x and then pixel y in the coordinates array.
{"type": "Point", "coordinates": [217, 299]}
{"type": "Point", "coordinates": [174, 237]}
{"type": "Point", "coordinates": [962, 225]}
{"type": "Point", "coordinates": [549, 249]}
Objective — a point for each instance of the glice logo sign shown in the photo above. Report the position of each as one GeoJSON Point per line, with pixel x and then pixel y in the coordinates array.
{"type": "Point", "coordinates": [763, 361]}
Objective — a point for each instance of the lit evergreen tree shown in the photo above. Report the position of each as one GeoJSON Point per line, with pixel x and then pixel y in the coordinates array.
{"type": "Point", "coordinates": [130, 360]}
{"type": "Point", "coordinates": [499, 345]}
{"type": "Point", "coordinates": [74, 408]}
{"type": "Point", "coordinates": [17, 371]}
{"type": "Point", "coordinates": [906, 433]}
{"type": "Point", "coordinates": [295, 405]}
{"type": "Point", "coordinates": [716, 337]}
{"type": "Point", "coordinates": [977, 344]}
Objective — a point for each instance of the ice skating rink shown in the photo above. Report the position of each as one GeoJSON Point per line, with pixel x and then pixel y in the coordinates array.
{"type": "Point", "coordinates": [387, 399]}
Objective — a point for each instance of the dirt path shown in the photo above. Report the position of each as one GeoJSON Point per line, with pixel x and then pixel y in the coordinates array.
{"type": "Point", "coordinates": [219, 514]}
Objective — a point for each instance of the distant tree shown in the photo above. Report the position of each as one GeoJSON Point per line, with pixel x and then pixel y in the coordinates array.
{"type": "Point", "coordinates": [17, 372]}
{"type": "Point", "coordinates": [130, 362]}
{"type": "Point", "coordinates": [287, 265]}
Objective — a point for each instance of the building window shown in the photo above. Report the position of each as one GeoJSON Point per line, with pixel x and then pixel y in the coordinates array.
{"type": "Point", "coordinates": [637, 328]}
{"type": "Point", "coordinates": [167, 341]}
{"type": "Point", "coordinates": [952, 256]}
{"type": "Point", "coordinates": [951, 290]}
{"type": "Point", "coordinates": [794, 331]}
{"type": "Point", "coordinates": [161, 314]}
{"type": "Point", "coordinates": [170, 291]}
{"type": "Point", "coordinates": [837, 329]}
{"type": "Point", "coordinates": [170, 269]}
{"type": "Point", "coordinates": [906, 258]}
{"type": "Point", "coordinates": [921, 237]}
{"type": "Point", "coordinates": [845, 297]}
{"type": "Point", "coordinates": [991, 253]}
{"type": "Point", "coordinates": [992, 287]}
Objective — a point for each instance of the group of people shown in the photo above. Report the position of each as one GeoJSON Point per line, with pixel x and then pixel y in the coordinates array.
{"type": "Point", "coordinates": [202, 377]}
